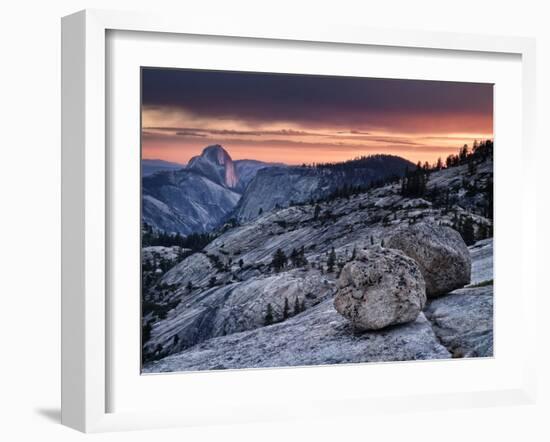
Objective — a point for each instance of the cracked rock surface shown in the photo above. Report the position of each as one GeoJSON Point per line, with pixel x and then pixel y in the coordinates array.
{"type": "Point", "coordinates": [463, 321]}
{"type": "Point", "coordinates": [317, 336]}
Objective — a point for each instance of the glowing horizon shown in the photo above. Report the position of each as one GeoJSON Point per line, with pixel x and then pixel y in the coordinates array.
{"type": "Point", "coordinates": [295, 119]}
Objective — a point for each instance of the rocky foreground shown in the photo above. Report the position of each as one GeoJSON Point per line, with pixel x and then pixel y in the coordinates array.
{"type": "Point", "coordinates": [230, 305]}
{"type": "Point", "coordinates": [459, 324]}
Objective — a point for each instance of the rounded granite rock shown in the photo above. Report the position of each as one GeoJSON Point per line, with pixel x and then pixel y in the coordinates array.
{"type": "Point", "coordinates": [440, 252]}
{"type": "Point", "coordinates": [381, 287]}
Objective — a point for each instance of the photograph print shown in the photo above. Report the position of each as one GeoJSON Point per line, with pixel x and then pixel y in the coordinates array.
{"type": "Point", "coordinates": [303, 220]}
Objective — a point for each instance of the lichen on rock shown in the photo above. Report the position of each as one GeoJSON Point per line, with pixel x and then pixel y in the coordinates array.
{"type": "Point", "coordinates": [381, 287]}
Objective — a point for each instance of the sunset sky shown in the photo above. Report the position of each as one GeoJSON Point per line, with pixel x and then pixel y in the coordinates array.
{"type": "Point", "coordinates": [298, 119]}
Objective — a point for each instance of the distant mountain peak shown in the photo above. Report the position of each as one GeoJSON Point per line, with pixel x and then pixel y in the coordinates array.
{"type": "Point", "coordinates": [217, 153]}
{"type": "Point", "coordinates": [216, 164]}
{"type": "Point", "coordinates": [214, 148]}
{"type": "Point", "coordinates": [151, 166]}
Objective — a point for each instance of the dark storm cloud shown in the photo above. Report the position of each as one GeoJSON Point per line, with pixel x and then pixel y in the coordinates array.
{"type": "Point", "coordinates": [314, 100]}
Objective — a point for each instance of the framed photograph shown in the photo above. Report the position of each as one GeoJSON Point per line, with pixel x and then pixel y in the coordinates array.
{"type": "Point", "coordinates": [263, 222]}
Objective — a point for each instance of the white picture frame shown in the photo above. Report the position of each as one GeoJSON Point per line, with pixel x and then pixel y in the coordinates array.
{"type": "Point", "coordinates": [85, 206]}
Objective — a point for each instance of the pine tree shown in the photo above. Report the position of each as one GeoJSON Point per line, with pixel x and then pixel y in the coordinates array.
{"type": "Point", "coordinates": [331, 260]}
{"type": "Point", "coordinates": [294, 259]}
{"type": "Point", "coordinates": [269, 315]}
{"type": "Point", "coordinates": [316, 211]}
{"type": "Point", "coordinates": [414, 183]}
{"type": "Point", "coordinates": [241, 263]}
{"type": "Point", "coordinates": [463, 154]}
{"type": "Point", "coordinates": [467, 231]}
{"type": "Point", "coordinates": [279, 260]}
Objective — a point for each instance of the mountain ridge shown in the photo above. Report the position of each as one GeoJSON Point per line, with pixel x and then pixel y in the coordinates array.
{"type": "Point", "coordinates": [199, 197]}
{"type": "Point", "coordinates": [277, 187]}
{"type": "Point", "coordinates": [214, 188]}
{"type": "Point", "coordinates": [151, 166]}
